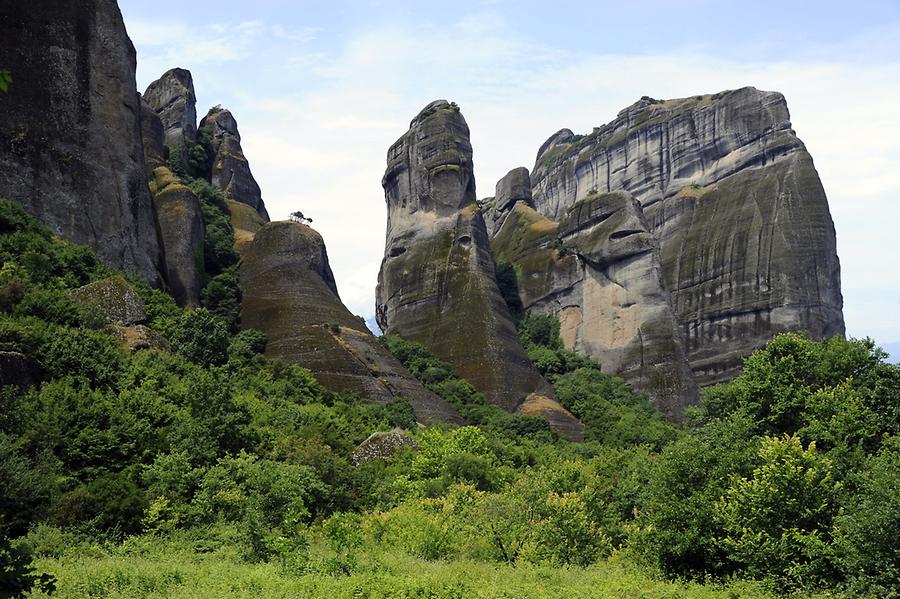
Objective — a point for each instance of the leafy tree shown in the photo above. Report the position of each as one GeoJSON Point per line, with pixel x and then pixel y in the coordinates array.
{"type": "Point", "coordinates": [298, 217]}
{"type": "Point", "coordinates": [778, 520]}
{"type": "Point", "coordinates": [201, 337]}
{"type": "Point", "coordinates": [869, 526]}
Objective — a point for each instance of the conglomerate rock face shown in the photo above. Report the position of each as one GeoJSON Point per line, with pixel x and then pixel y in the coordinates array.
{"type": "Point", "coordinates": [730, 194]}
{"type": "Point", "coordinates": [230, 169]}
{"type": "Point", "coordinates": [599, 272]}
{"type": "Point", "coordinates": [172, 97]}
{"type": "Point", "coordinates": [289, 293]}
{"type": "Point", "coordinates": [70, 133]}
{"type": "Point", "coordinates": [178, 216]}
{"type": "Point", "coordinates": [437, 283]}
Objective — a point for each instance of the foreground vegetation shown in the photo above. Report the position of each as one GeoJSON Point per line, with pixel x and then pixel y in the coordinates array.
{"type": "Point", "coordinates": [206, 470]}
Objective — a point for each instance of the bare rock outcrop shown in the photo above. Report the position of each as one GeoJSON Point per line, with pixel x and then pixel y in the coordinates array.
{"type": "Point", "coordinates": [437, 283]}
{"type": "Point", "coordinates": [599, 272]}
{"type": "Point", "coordinates": [70, 132]}
{"type": "Point", "coordinates": [746, 240]}
{"type": "Point", "coordinates": [172, 97]}
{"type": "Point", "coordinates": [382, 445]}
{"type": "Point", "coordinates": [115, 300]}
{"type": "Point", "coordinates": [230, 170]}
{"type": "Point", "coordinates": [289, 294]}
{"type": "Point", "coordinates": [178, 216]}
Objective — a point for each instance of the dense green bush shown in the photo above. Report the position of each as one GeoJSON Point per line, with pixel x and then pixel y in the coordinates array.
{"type": "Point", "coordinates": [777, 520]}
{"type": "Point", "coordinates": [201, 337]}
{"type": "Point", "coordinates": [869, 526]}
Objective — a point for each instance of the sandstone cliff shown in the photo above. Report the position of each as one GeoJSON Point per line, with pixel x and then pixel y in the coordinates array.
{"type": "Point", "coordinates": [289, 294]}
{"type": "Point", "coordinates": [70, 141]}
{"type": "Point", "coordinates": [599, 272]}
{"type": "Point", "coordinates": [230, 170]}
{"type": "Point", "coordinates": [731, 196]}
{"type": "Point", "coordinates": [437, 283]}
{"type": "Point", "coordinates": [178, 216]}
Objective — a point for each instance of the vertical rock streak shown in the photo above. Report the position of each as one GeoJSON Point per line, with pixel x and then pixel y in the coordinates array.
{"type": "Point", "coordinates": [722, 182]}
{"type": "Point", "coordinates": [70, 142]}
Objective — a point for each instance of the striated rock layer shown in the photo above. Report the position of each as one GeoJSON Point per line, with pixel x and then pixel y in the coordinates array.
{"type": "Point", "coordinates": [599, 272]}
{"type": "Point", "coordinates": [289, 294]}
{"type": "Point", "coordinates": [230, 169]}
{"type": "Point", "coordinates": [437, 283]}
{"type": "Point", "coordinates": [746, 241]}
{"type": "Point", "coordinates": [70, 141]}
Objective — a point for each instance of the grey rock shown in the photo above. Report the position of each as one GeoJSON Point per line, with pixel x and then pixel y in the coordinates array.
{"type": "Point", "coordinates": [289, 293]}
{"type": "Point", "coordinates": [381, 446]}
{"type": "Point", "coordinates": [747, 244]}
{"type": "Point", "coordinates": [179, 218]}
{"type": "Point", "coordinates": [514, 187]}
{"type": "Point", "coordinates": [172, 97]}
{"type": "Point", "coordinates": [181, 230]}
{"type": "Point", "coordinates": [153, 137]}
{"type": "Point", "coordinates": [70, 141]}
{"type": "Point", "coordinates": [115, 299]}
{"type": "Point", "coordinates": [230, 169]}
{"type": "Point", "coordinates": [437, 283]}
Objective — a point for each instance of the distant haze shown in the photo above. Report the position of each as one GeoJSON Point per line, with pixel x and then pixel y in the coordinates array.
{"type": "Point", "coordinates": [321, 90]}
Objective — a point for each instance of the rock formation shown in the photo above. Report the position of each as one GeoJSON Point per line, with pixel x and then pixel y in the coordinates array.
{"type": "Point", "coordinates": [178, 216]}
{"type": "Point", "coordinates": [230, 170]}
{"type": "Point", "coordinates": [599, 272]}
{"type": "Point", "coordinates": [731, 196]}
{"type": "Point", "coordinates": [114, 299]}
{"type": "Point", "coordinates": [437, 283]}
{"type": "Point", "coordinates": [289, 294]}
{"type": "Point", "coordinates": [172, 97]}
{"type": "Point", "coordinates": [381, 446]}
{"type": "Point", "coordinates": [70, 142]}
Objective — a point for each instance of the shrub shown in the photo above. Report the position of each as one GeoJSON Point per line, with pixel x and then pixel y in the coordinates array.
{"type": "Point", "coordinates": [201, 337]}
{"type": "Point", "coordinates": [567, 535]}
{"type": "Point", "coordinates": [869, 526]}
{"type": "Point", "coordinates": [90, 355]}
{"type": "Point", "coordinates": [246, 344]}
{"type": "Point", "coordinates": [222, 296]}
{"type": "Point", "coordinates": [680, 533]}
{"type": "Point", "coordinates": [777, 521]}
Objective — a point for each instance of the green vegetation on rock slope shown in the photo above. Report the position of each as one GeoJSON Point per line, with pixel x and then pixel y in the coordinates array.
{"type": "Point", "coordinates": [208, 470]}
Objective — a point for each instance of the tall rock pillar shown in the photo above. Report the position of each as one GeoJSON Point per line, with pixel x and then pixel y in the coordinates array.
{"type": "Point", "coordinates": [437, 283]}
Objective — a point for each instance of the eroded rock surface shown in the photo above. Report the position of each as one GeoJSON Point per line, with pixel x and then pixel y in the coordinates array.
{"type": "Point", "coordinates": [747, 244]}
{"type": "Point", "coordinates": [114, 298]}
{"type": "Point", "coordinates": [437, 283]}
{"type": "Point", "coordinates": [70, 140]}
{"type": "Point", "coordinates": [289, 294]}
{"type": "Point", "coordinates": [230, 169]}
{"type": "Point", "coordinates": [599, 272]}
{"type": "Point", "coordinates": [172, 97]}
{"type": "Point", "coordinates": [182, 231]}
{"type": "Point", "coordinates": [178, 216]}
{"type": "Point", "coordinates": [382, 445]}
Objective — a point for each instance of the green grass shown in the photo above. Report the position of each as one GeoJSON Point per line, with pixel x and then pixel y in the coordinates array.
{"type": "Point", "coordinates": [147, 566]}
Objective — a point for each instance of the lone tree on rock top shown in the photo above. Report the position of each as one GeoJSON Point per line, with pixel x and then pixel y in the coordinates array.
{"type": "Point", "coordinates": [298, 217]}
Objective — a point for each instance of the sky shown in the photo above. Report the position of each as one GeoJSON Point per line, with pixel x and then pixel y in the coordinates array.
{"type": "Point", "coordinates": [321, 90]}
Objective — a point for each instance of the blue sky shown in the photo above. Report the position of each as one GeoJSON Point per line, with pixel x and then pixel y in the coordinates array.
{"type": "Point", "coordinates": [321, 90]}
